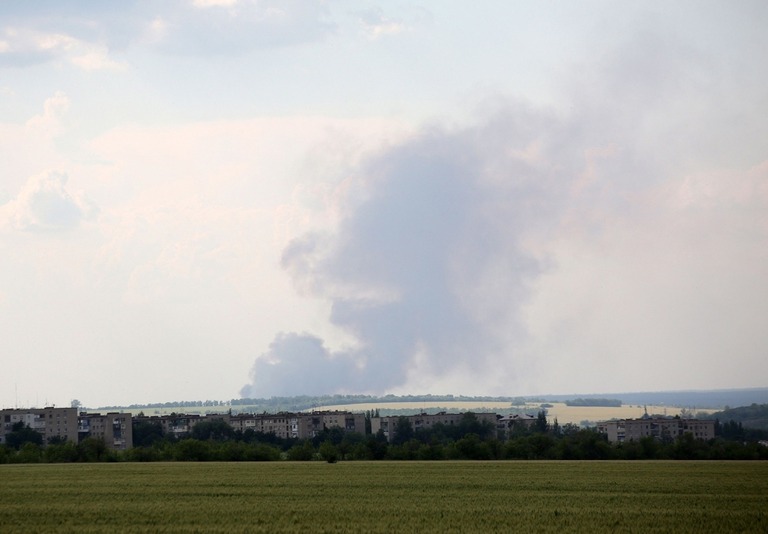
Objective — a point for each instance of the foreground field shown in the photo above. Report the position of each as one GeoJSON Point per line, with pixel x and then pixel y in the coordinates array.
{"type": "Point", "coordinates": [386, 497]}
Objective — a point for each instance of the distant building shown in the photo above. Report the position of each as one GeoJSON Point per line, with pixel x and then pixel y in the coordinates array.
{"type": "Point", "coordinates": [508, 424]}
{"type": "Point", "coordinates": [116, 429]}
{"type": "Point", "coordinates": [50, 422]}
{"type": "Point", "coordinates": [67, 424]}
{"type": "Point", "coordinates": [388, 425]}
{"type": "Point", "coordinates": [661, 428]}
{"type": "Point", "coordinates": [284, 425]}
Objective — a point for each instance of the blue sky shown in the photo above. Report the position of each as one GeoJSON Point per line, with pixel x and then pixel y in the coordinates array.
{"type": "Point", "coordinates": [203, 199]}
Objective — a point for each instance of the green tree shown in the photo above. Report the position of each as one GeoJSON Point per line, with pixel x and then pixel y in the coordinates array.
{"type": "Point", "coordinates": [301, 452]}
{"type": "Point", "coordinates": [470, 424]}
{"type": "Point", "coordinates": [215, 430]}
{"type": "Point", "coordinates": [92, 450]}
{"type": "Point", "coordinates": [403, 431]}
{"type": "Point", "coordinates": [146, 433]}
{"type": "Point", "coordinates": [61, 452]}
{"type": "Point", "coordinates": [541, 424]}
{"type": "Point", "coordinates": [29, 453]}
{"type": "Point", "coordinates": [21, 434]}
{"type": "Point", "coordinates": [192, 450]}
{"type": "Point", "coordinates": [329, 452]}
{"type": "Point", "coordinates": [470, 447]}
{"type": "Point", "coordinates": [541, 446]}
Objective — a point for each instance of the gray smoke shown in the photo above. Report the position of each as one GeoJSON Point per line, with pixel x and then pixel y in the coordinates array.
{"type": "Point", "coordinates": [429, 265]}
{"type": "Point", "coordinates": [451, 234]}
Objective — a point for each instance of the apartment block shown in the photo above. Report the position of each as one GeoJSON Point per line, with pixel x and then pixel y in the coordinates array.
{"type": "Point", "coordinates": [116, 429]}
{"type": "Point", "coordinates": [312, 423]}
{"type": "Point", "coordinates": [51, 423]}
{"type": "Point", "coordinates": [388, 425]}
{"type": "Point", "coordinates": [285, 425]}
{"type": "Point", "coordinates": [661, 428]}
{"type": "Point", "coordinates": [174, 425]}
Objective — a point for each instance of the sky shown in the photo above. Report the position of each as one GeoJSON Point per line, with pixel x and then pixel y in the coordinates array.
{"type": "Point", "coordinates": [210, 199]}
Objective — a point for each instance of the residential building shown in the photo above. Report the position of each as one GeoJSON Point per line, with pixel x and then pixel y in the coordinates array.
{"type": "Point", "coordinates": [174, 425]}
{"type": "Point", "coordinates": [284, 425]}
{"type": "Point", "coordinates": [52, 423]}
{"type": "Point", "coordinates": [312, 423]}
{"type": "Point", "coordinates": [69, 425]}
{"type": "Point", "coordinates": [425, 421]}
{"type": "Point", "coordinates": [116, 429]}
{"type": "Point", "coordinates": [507, 425]}
{"type": "Point", "coordinates": [662, 428]}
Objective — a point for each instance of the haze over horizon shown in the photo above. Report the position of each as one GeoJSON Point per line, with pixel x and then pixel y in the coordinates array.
{"type": "Point", "coordinates": [202, 199]}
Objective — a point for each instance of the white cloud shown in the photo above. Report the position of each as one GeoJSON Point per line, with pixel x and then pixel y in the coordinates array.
{"type": "Point", "coordinates": [49, 123]}
{"type": "Point", "coordinates": [45, 204]}
{"type": "Point", "coordinates": [375, 24]}
{"type": "Point", "coordinates": [25, 46]}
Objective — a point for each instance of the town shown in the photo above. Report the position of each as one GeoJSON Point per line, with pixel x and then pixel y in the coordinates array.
{"type": "Point", "coordinates": [116, 429]}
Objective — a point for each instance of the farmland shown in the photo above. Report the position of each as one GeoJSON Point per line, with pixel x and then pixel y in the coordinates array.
{"type": "Point", "coordinates": [386, 496]}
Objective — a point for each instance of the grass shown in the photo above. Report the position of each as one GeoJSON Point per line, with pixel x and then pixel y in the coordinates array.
{"type": "Point", "coordinates": [386, 497]}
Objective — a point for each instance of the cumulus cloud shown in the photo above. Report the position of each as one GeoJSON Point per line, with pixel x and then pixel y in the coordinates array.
{"type": "Point", "coordinates": [375, 24]}
{"type": "Point", "coordinates": [92, 39]}
{"type": "Point", "coordinates": [45, 204]}
{"type": "Point", "coordinates": [29, 46]}
{"type": "Point", "coordinates": [48, 123]}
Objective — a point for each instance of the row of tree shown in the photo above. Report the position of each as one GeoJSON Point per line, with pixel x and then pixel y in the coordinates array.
{"type": "Point", "coordinates": [471, 439]}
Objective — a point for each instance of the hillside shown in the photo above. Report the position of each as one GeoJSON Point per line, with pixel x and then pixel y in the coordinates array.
{"type": "Point", "coordinates": [692, 400]}
{"type": "Point", "coordinates": [752, 416]}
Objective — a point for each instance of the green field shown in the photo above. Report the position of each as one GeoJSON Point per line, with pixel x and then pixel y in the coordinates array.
{"type": "Point", "coordinates": [386, 497]}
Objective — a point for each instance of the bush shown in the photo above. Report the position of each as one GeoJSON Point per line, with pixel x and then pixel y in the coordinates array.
{"type": "Point", "coordinates": [301, 452]}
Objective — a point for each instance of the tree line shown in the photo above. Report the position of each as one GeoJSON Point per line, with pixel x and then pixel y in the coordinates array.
{"type": "Point", "coordinates": [471, 439]}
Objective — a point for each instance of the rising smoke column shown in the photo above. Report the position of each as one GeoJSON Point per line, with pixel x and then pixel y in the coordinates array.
{"type": "Point", "coordinates": [428, 267]}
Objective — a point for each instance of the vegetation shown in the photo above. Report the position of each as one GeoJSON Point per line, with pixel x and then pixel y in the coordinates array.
{"type": "Point", "coordinates": [754, 416]}
{"type": "Point", "coordinates": [471, 439]}
{"type": "Point", "coordinates": [386, 497]}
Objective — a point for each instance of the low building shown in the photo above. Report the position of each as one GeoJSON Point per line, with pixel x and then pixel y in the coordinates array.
{"type": "Point", "coordinates": [662, 428]}
{"type": "Point", "coordinates": [509, 424]}
{"type": "Point", "coordinates": [424, 421]}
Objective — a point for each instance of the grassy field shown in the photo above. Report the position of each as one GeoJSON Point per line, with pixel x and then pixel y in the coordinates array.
{"type": "Point", "coordinates": [386, 497]}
